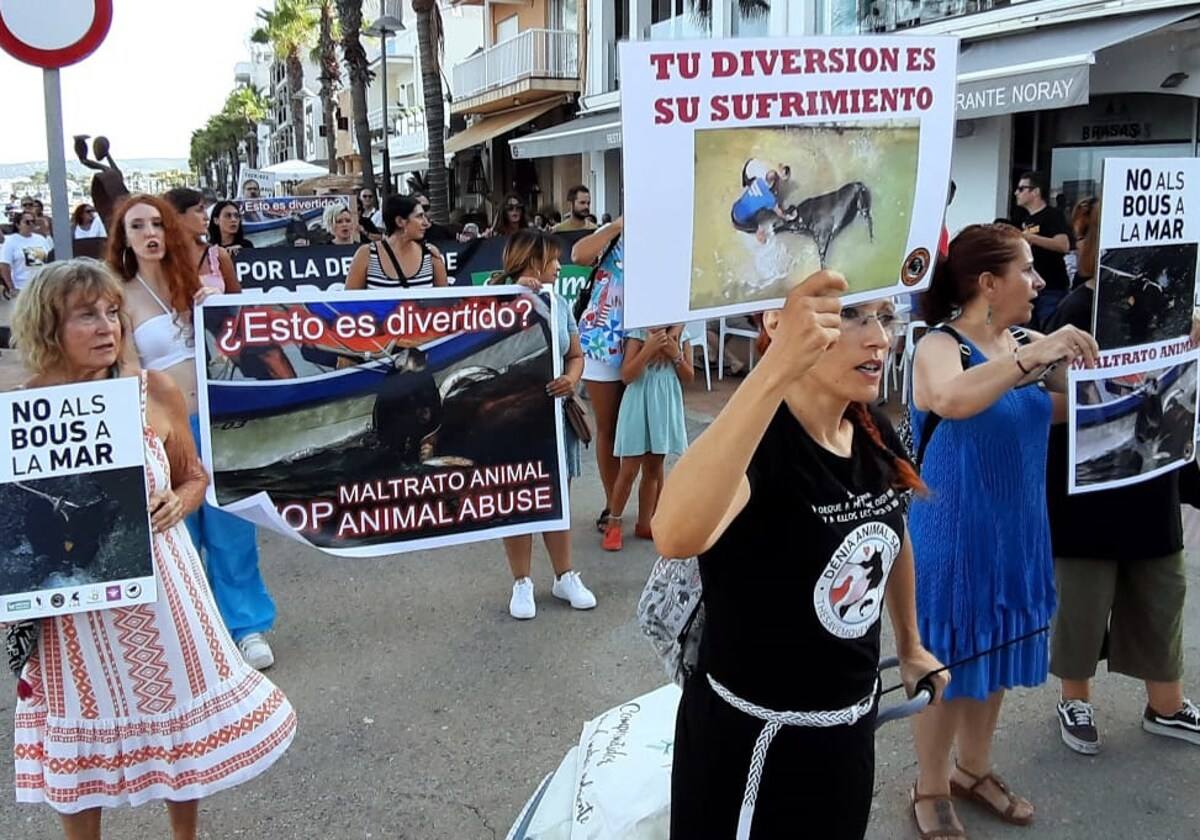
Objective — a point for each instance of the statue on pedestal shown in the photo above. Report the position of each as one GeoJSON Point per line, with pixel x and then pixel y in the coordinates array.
{"type": "Point", "coordinates": [108, 184]}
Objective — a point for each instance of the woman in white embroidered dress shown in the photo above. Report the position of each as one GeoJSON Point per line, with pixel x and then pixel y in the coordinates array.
{"type": "Point", "coordinates": [127, 705]}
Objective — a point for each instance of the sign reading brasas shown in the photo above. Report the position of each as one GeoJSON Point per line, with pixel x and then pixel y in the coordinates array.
{"type": "Point", "coordinates": [1061, 87]}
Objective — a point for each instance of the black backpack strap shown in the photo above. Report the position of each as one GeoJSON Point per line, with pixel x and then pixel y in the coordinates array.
{"type": "Point", "coordinates": [932, 418]}
{"type": "Point", "coordinates": [395, 262]}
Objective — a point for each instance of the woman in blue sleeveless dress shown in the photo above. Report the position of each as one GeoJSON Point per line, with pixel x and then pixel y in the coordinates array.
{"type": "Point", "coordinates": [984, 570]}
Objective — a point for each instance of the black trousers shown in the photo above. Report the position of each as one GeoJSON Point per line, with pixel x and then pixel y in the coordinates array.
{"type": "Point", "coordinates": [815, 782]}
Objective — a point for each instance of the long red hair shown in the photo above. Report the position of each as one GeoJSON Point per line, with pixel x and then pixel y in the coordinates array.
{"type": "Point", "coordinates": [183, 278]}
{"type": "Point", "coordinates": [904, 474]}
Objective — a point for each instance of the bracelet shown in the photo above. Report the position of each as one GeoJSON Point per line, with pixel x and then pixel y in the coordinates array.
{"type": "Point", "coordinates": [1020, 367]}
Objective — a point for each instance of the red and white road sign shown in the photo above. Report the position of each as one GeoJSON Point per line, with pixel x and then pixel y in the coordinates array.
{"type": "Point", "coordinates": [53, 33]}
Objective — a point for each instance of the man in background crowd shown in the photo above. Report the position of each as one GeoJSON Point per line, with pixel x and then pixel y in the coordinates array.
{"type": "Point", "coordinates": [22, 255]}
{"type": "Point", "coordinates": [580, 200]}
{"type": "Point", "coordinates": [1049, 238]}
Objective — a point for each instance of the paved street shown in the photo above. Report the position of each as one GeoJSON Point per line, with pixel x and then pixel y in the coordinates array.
{"type": "Point", "coordinates": [426, 712]}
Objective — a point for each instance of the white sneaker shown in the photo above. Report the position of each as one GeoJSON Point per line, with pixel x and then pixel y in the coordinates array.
{"type": "Point", "coordinates": [570, 587]}
{"type": "Point", "coordinates": [256, 652]}
{"type": "Point", "coordinates": [521, 605]}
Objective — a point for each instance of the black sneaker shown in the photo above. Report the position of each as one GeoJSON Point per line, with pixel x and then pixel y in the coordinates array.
{"type": "Point", "coordinates": [1184, 724]}
{"type": "Point", "coordinates": [1077, 723]}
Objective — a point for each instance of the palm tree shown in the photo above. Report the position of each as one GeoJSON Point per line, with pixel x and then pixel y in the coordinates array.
{"type": "Point", "coordinates": [431, 41]}
{"type": "Point", "coordinates": [290, 28]}
{"type": "Point", "coordinates": [350, 16]}
{"type": "Point", "coordinates": [247, 107]}
{"type": "Point", "coordinates": [325, 56]}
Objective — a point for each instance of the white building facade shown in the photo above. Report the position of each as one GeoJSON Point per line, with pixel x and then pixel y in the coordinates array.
{"type": "Point", "coordinates": [1047, 85]}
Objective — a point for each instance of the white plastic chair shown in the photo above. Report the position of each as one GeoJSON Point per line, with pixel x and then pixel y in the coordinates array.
{"type": "Point", "coordinates": [697, 333]}
{"type": "Point", "coordinates": [726, 330]}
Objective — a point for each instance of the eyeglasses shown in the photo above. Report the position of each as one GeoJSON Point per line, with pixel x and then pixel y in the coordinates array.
{"type": "Point", "coordinates": [1024, 187]}
{"type": "Point", "coordinates": [855, 318]}
{"type": "Point", "coordinates": [25, 222]}
{"type": "Point", "coordinates": [514, 206]}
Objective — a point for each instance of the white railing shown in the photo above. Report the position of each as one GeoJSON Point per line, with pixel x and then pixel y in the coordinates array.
{"type": "Point", "coordinates": [409, 143]}
{"type": "Point", "coordinates": [375, 117]}
{"type": "Point", "coordinates": [534, 53]}
{"type": "Point", "coordinates": [891, 15]}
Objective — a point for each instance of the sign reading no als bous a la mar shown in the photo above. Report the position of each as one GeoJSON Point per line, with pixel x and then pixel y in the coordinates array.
{"type": "Point", "coordinates": [786, 160]}
{"type": "Point", "coordinates": [1133, 417]}
{"type": "Point", "coordinates": [372, 422]}
{"type": "Point", "coordinates": [74, 524]}
{"type": "Point", "coordinates": [53, 33]}
{"type": "Point", "coordinates": [325, 267]}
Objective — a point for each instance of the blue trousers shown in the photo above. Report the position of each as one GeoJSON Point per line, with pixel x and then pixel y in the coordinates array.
{"type": "Point", "coordinates": [228, 545]}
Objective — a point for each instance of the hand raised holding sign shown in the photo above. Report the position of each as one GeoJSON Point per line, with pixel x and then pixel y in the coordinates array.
{"type": "Point", "coordinates": [808, 325]}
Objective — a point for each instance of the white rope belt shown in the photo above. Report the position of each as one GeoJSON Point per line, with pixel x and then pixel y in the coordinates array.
{"type": "Point", "coordinates": [773, 721]}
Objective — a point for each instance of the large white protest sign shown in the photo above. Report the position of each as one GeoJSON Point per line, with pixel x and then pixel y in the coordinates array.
{"type": "Point", "coordinates": [74, 524]}
{"type": "Point", "coordinates": [1133, 416]}
{"type": "Point", "coordinates": [766, 161]}
{"type": "Point", "coordinates": [1149, 235]}
{"type": "Point", "coordinates": [372, 422]}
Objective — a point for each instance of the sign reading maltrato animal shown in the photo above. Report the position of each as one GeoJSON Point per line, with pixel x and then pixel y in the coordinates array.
{"type": "Point", "coordinates": [768, 161]}
{"type": "Point", "coordinates": [74, 518]}
{"type": "Point", "coordinates": [366, 423]}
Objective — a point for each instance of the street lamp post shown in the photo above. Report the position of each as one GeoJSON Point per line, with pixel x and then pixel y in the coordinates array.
{"type": "Point", "coordinates": [383, 28]}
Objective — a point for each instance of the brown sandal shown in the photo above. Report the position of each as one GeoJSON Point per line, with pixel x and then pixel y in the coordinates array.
{"type": "Point", "coordinates": [972, 794]}
{"type": "Point", "coordinates": [940, 832]}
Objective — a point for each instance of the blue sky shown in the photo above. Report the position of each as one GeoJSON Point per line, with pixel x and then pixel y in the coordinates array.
{"type": "Point", "coordinates": [164, 68]}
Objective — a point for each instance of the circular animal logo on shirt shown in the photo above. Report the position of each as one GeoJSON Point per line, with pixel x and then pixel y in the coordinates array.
{"type": "Point", "coordinates": [849, 593]}
{"type": "Point", "coordinates": [916, 266]}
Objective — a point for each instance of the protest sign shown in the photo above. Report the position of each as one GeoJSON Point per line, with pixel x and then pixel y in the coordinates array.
{"type": "Point", "coordinates": [371, 422]}
{"type": "Point", "coordinates": [256, 183]}
{"type": "Point", "coordinates": [468, 263]}
{"type": "Point", "coordinates": [1132, 417]}
{"type": "Point", "coordinates": [770, 161]}
{"type": "Point", "coordinates": [290, 220]}
{"type": "Point", "coordinates": [74, 524]}
{"type": "Point", "coordinates": [1149, 235]}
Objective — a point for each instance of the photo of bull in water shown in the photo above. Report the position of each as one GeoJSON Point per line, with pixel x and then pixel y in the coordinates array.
{"type": "Point", "coordinates": [773, 205]}
{"type": "Point", "coordinates": [74, 530]}
{"type": "Point", "coordinates": [1145, 295]}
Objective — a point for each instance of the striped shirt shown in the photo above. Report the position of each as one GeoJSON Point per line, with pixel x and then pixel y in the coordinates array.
{"type": "Point", "coordinates": [378, 279]}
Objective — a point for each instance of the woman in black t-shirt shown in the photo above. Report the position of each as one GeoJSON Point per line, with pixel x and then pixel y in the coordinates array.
{"type": "Point", "coordinates": [793, 501]}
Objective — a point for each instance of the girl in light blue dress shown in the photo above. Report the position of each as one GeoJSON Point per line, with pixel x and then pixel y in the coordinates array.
{"type": "Point", "coordinates": [649, 425]}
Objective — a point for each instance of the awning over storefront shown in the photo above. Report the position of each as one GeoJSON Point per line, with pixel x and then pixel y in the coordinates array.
{"type": "Point", "coordinates": [1046, 68]}
{"type": "Point", "coordinates": [485, 129]}
{"type": "Point", "coordinates": [593, 133]}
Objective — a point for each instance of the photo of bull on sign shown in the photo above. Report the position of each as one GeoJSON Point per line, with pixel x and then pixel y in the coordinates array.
{"type": "Point", "coordinates": [803, 198]}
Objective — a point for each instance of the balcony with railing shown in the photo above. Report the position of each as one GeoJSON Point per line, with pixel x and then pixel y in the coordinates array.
{"type": "Point", "coordinates": [375, 118]}
{"type": "Point", "coordinates": [534, 62]}
{"type": "Point", "coordinates": [875, 16]}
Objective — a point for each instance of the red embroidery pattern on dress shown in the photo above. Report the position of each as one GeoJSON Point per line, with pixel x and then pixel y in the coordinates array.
{"type": "Point", "coordinates": [144, 653]}
{"type": "Point", "coordinates": [33, 676]}
{"type": "Point", "coordinates": [55, 699]}
{"type": "Point", "coordinates": [210, 635]}
{"type": "Point", "coordinates": [108, 662]}
{"type": "Point", "coordinates": [83, 683]}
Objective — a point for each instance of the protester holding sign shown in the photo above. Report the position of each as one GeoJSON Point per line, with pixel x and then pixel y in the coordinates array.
{"type": "Point", "coordinates": [225, 228]}
{"type": "Point", "coordinates": [149, 248]}
{"type": "Point", "coordinates": [1119, 588]}
{"type": "Point", "coordinates": [122, 707]}
{"type": "Point", "coordinates": [409, 261]}
{"type": "Point", "coordinates": [796, 487]}
{"type": "Point", "coordinates": [531, 260]}
{"type": "Point", "coordinates": [982, 538]}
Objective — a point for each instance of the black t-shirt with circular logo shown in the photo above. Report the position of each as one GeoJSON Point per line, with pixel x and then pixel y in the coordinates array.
{"type": "Point", "coordinates": [794, 588]}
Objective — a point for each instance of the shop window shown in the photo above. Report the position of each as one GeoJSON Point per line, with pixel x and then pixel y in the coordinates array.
{"type": "Point", "coordinates": [751, 18]}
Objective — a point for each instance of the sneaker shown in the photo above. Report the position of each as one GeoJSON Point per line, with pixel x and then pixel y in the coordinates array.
{"type": "Point", "coordinates": [613, 541]}
{"type": "Point", "coordinates": [1184, 724]}
{"type": "Point", "coordinates": [570, 587]}
{"type": "Point", "coordinates": [521, 605]}
{"type": "Point", "coordinates": [256, 652]}
{"type": "Point", "coordinates": [1077, 723]}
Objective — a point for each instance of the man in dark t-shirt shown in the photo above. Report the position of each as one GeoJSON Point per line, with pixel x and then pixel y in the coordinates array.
{"type": "Point", "coordinates": [1120, 580]}
{"type": "Point", "coordinates": [1050, 238]}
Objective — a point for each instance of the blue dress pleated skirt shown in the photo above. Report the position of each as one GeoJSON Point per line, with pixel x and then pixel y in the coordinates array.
{"type": "Point", "coordinates": [650, 420]}
{"type": "Point", "coordinates": [981, 542]}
